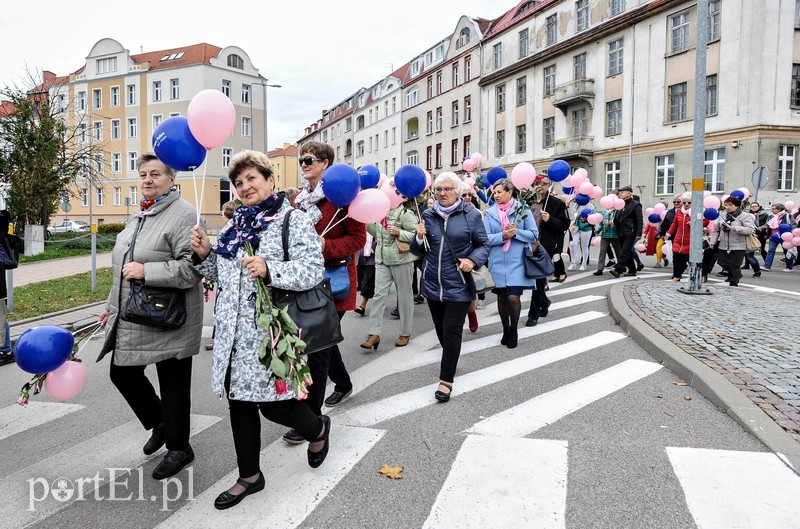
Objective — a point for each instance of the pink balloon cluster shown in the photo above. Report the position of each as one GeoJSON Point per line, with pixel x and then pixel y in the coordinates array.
{"type": "Point", "coordinates": [790, 239]}
{"type": "Point", "coordinates": [612, 201]}
{"type": "Point", "coordinates": [212, 118]}
{"type": "Point", "coordinates": [473, 162]}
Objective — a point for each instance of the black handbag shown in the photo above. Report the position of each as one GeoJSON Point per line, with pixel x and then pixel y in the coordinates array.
{"type": "Point", "coordinates": [479, 279]}
{"type": "Point", "coordinates": [12, 246]}
{"type": "Point", "coordinates": [313, 311]}
{"type": "Point", "coordinates": [163, 308]}
{"type": "Point", "coordinates": [537, 263]}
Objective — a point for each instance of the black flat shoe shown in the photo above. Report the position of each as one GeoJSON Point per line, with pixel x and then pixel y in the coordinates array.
{"type": "Point", "coordinates": [155, 442]}
{"type": "Point", "coordinates": [315, 459]}
{"type": "Point", "coordinates": [173, 463]}
{"type": "Point", "coordinates": [504, 339]}
{"type": "Point", "coordinates": [441, 396]}
{"type": "Point", "coordinates": [359, 310]}
{"type": "Point", "coordinates": [531, 322]}
{"type": "Point", "coordinates": [757, 274]}
{"type": "Point", "coordinates": [512, 338]}
{"type": "Point", "coordinates": [293, 438]}
{"type": "Point", "coordinates": [226, 500]}
{"type": "Point", "coordinates": [337, 397]}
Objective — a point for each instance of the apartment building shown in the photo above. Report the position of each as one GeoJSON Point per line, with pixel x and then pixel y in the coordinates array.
{"type": "Point", "coordinates": [284, 163]}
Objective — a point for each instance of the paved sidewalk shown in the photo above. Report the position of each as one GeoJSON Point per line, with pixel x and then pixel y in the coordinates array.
{"type": "Point", "coordinates": [54, 268]}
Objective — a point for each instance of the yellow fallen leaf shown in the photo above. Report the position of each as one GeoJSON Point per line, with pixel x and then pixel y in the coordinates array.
{"type": "Point", "coordinates": [671, 413]}
{"type": "Point", "coordinates": [687, 397]}
{"type": "Point", "coordinates": [681, 383]}
{"type": "Point", "coordinates": [391, 472]}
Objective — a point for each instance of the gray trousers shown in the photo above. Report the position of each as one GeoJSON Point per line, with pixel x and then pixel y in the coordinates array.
{"type": "Point", "coordinates": [401, 275]}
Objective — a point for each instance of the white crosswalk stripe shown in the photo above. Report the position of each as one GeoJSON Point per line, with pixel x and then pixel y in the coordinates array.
{"type": "Point", "coordinates": [15, 418]}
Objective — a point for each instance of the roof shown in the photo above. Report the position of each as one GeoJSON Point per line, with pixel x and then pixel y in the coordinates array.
{"type": "Point", "coordinates": [6, 108]}
{"type": "Point", "coordinates": [194, 54]}
{"type": "Point", "coordinates": [49, 80]}
{"type": "Point", "coordinates": [512, 16]}
{"type": "Point", "coordinates": [289, 150]}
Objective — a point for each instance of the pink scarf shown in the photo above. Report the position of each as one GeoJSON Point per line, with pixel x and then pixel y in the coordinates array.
{"type": "Point", "coordinates": [686, 211]}
{"type": "Point", "coordinates": [502, 212]}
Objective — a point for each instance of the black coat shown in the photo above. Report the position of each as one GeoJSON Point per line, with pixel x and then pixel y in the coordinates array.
{"type": "Point", "coordinates": [551, 233]}
{"type": "Point", "coordinates": [5, 217]}
{"type": "Point", "coordinates": [629, 219]}
{"type": "Point", "coordinates": [665, 224]}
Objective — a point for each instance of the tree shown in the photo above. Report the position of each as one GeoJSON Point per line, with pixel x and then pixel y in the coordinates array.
{"type": "Point", "coordinates": [40, 156]}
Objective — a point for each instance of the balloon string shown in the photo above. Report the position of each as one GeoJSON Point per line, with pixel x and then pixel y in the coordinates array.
{"type": "Point", "coordinates": [425, 243]}
{"type": "Point", "coordinates": [86, 341]}
{"type": "Point", "coordinates": [329, 228]}
{"type": "Point", "coordinates": [202, 192]}
{"type": "Point", "coordinates": [197, 208]}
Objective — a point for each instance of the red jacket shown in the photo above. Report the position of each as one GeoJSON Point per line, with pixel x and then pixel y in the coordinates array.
{"type": "Point", "coordinates": [341, 241]}
{"type": "Point", "coordinates": [680, 232]}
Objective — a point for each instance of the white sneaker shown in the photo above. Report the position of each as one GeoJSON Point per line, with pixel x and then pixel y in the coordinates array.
{"type": "Point", "coordinates": [481, 304]}
{"type": "Point", "coordinates": [582, 268]}
{"type": "Point", "coordinates": [572, 266]}
{"type": "Point", "coordinates": [788, 270]}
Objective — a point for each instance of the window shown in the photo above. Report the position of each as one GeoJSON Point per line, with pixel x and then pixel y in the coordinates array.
{"type": "Point", "coordinates": [579, 63]}
{"type": "Point", "coordinates": [412, 158]}
{"type": "Point", "coordinates": [677, 102]}
{"type": "Point", "coordinates": [614, 118]}
{"type": "Point", "coordinates": [131, 94]}
{"type": "Point", "coordinates": [97, 130]}
{"type": "Point", "coordinates": [371, 119]}
{"type": "Point", "coordinates": [133, 194]}
{"type": "Point", "coordinates": [226, 87]}
{"type": "Point", "coordinates": [438, 119]}
{"type": "Point", "coordinates": [438, 156]}
{"type": "Point", "coordinates": [100, 196]}
{"type": "Point", "coordinates": [497, 53]}
{"type": "Point", "coordinates": [680, 32]}
{"type": "Point", "coordinates": [386, 109]}
{"type": "Point", "coordinates": [467, 109]}
{"type": "Point", "coordinates": [786, 156]}
{"type": "Point", "coordinates": [234, 61]}
{"type": "Point", "coordinates": [612, 175]}
{"type": "Point", "coordinates": [500, 143]}
{"type": "Point", "coordinates": [711, 95]}
{"type": "Point", "coordinates": [245, 126]}
{"type": "Point", "coordinates": [795, 101]}
{"type": "Point", "coordinates": [429, 158]}
{"type": "Point", "coordinates": [394, 165]}
{"type": "Point", "coordinates": [617, 7]}
{"type": "Point", "coordinates": [385, 139]}
{"type": "Point", "coordinates": [174, 88]}
{"type": "Point", "coordinates": [106, 65]}
{"type": "Point", "coordinates": [454, 113]}
{"type": "Point", "coordinates": [500, 92]}
{"type": "Point", "coordinates": [99, 167]}
{"type": "Point", "coordinates": [81, 104]}
{"type": "Point", "coordinates": [114, 96]}
{"type": "Point", "coordinates": [117, 196]}
{"type": "Point", "coordinates": [579, 122]}
{"type": "Point", "coordinates": [415, 68]}
{"type": "Point", "coordinates": [173, 114]}
{"type": "Point", "coordinates": [133, 128]}
{"type": "Point", "coordinates": [467, 68]}
{"type": "Point", "coordinates": [467, 146]}
{"type": "Point", "coordinates": [132, 156]}
{"type": "Point", "coordinates": [325, 135]}
{"type": "Point", "coordinates": [394, 135]}
{"type": "Point", "coordinates": [82, 132]}
{"type": "Point", "coordinates": [548, 132]}
{"type": "Point", "coordinates": [455, 75]}
{"type": "Point", "coordinates": [412, 97]}
{"type": "Point", "coordinates": [97, 98]}
{"type": "Point", "coordinates": [523, 43]}
{"type": "Point", "coordinates": [582, 12]}
{"type": "Point", "coordinates": [665, 174]}
{"type": "Point", "coordinates": [360, 122]}
{"type": "Point", "coordinates": [116, 162]}
{"type": "Point", "coordinates": [360, 148]}
{"type": "Point", "coordinates": [430, 86]}
{"type": "Point", "coordinates": [454, 152]}
{"type": "Point", "coordinates": [156, 90]}
{"type": "Point", "coordinates": [394, 104]}
{"type": "Point", "coordinates": [615, 57]}
{"type": "Point", "coordinates": [713, 20]}
{"type": "Point", "coordinates": [715, 170]}
{"type": "Point", "coordinates": [115, 132]}
{"type": "Point", "coordinates": [157, 119]}
{"type": "Point", "coordinates": [348, 124]}
{"type": "Point", "coordinates": [550, 23]}
{"type": "Point", "coordinates": [439, 84]}
{"type": "Point", "coordinates": [522, 138]}
{"type": "Point", "coordinates": [463, 38]}
{"type": "Point", "coordinates": [549, 80]}
{"type": "Point", "coordinates": [84, 197]}
{"type": "Point", "coordinates": [429, 128]}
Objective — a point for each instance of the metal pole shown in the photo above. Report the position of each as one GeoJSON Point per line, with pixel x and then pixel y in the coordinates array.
{"type": "Point", "coordinates": [698, 153]}
{"type": "Point", "coordinates": [251, 121]}
{"type": "Point", "coordinates": [266, 143]}
{"type": "Point", "coordinates": [93, 229]}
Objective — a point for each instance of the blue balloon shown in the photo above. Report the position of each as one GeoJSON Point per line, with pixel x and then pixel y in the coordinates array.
{"type": "Point", "coordinates": [495, 174]}
{"type": "Point", "coordinates": [776, 237]}
{"type": "Point", "coordinates": [567, 190]}
{"type": "Point", "coordinates": [711, 214]}
{"type": "Point", "coordinates": [654, 218]}
{"type": "Point", "coordinates": [558, 171]}
{"type": "Point", "coordinates": [341, 184]}
{"type": "Point", "coordinates": [43, 349]}
{"type": "Point", "coordinates": [738, 194]}
{"type": "Point", "coordinates": [586, 212]}
{"type": "Point", "coordinates": [580, 198]}
{"type": "Point", "coordinates": [174, 145]}
{"type": "Point", "coordinates": [783, 228]}
{"type": "Point", "coordinates": [370, 176]}
{"type": "Point", "coordinates": [410, 180]}
{"type": "Point", "coordinates": [481, 182]}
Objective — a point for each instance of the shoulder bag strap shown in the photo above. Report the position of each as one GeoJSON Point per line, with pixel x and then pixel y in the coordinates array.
{"type": "Point", "coordinates": [285, 235]}
{"type": "Point", "coordinates": [447, 241]}
{"type": "Point", "coordinates": [133, 239]}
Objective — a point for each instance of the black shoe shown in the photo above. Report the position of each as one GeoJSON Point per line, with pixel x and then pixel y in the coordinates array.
{"type": "Point", "coordinates": [611, 263]}
{"type": "Point", "coordinates": [745, 267]}
{"type": "Point", "coordinates": [666, 262]}
{"type": "Point", "coordinates": [227, 500]}
{"type": "Point", "coordinates": [598, 273]}
{"type": "Point", "coordinates": [545, 310]}
{"type": "Point", "coordinates": [614, 273]}
{"type": "Point", "coordinates": [757, 274]}
{"type": "Point", "coordinates": [722, 274]}
{"type": "Point", "coordinates": [504, 339]}
{"type": "Point", "coordinates": [419, 300]}
{"type": "Point", "coordinates": [441, 396]}
{"type": "Point", "coordinates": [337, 397]}
{"type": "Point", "coordinates": [512, 338]}
{"type": "Point", "coordinates": [734, 284]}
{"type": "Point", "coordinates": [630, 274]}
{"type": "Point", "coordinates": [6, 358]}
{"type": "Point", "coordinates": [293, 438]}
{"type": "Point", "coordinates": [173, 463]}
{"type": "Point", "coordinates": [359, 310]}
{"type": "Point", "coordinates": [315, 459]}
{"type": "Point", "coordinates": [155, 442]}
{"type": "Point", "coordinates": [531, 322]}
{"type": "Point", "coordinates": [396, 312]}
{"type": "Point", "coordinates": [640, 267]}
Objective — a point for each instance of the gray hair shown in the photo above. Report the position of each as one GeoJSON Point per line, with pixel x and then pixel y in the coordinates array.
{"type": "Point", "coordinates": [507, 184]}
{"type": "Point", "coordinates": [150, 157]}
{"type": "Point", "coordinates": [451, 178]}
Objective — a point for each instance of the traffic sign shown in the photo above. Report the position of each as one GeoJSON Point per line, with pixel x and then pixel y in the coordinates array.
{"type": "Point", "coordinates": [761, 177]}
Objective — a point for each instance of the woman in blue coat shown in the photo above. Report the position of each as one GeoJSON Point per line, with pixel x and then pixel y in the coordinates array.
{"type": "Point", "coordinates": [443, 282]}
{"type": "Point", "coordinates": [510, 227]}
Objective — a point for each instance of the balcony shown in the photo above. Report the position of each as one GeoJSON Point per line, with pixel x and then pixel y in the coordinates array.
{"type": "Point", "coordinates": [575, 147]}
{"type": "Point", "coordinates": [577, 91]}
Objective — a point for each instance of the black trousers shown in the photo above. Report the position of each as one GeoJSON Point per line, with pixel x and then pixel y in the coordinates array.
{"type": "Point", "coordinates": [625, 258]}
{"type": "Point", "coordinates": [448, 318]}
{"type": "Point", "coordinates": [539, 299]}
{"type": "Point", "coordinates": [732, 260]}
{"type": "Point", "coordinates": [680, 261]}
{"type": "Point", "coordinates": [324, 364]}
{"type": "Point", "coordinates": [366, 280]}
{"type": "Point", "coordinates": [175, 381]}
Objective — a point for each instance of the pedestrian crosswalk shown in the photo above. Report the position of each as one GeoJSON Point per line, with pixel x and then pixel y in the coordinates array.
{"type": "Point", "coordinates": [501, 470]}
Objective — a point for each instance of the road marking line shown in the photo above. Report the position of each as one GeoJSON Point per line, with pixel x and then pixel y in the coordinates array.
{"type": "Point", "coordinates": [119, 448]}
{"type": "Point", "coordinates": [604, 283]}
{"type": "Point", "coordinates": [415, 399]}
{"type": "Point", "coordinates": [726, 488]}
{"type": "Point", "coordinates": [15, 418]}
{"type": "Point", "coordinates": [294, 489]}
{"type": "Point", "coordinates": [517, 482]}
{"type": "Point", "coordinates": [547, 408]}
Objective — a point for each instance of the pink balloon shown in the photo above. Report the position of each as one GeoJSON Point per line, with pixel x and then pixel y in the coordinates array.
{"type": "Point", "coordinates": [580, 171]}
{"type": "Point", "coordinates": [370, 205]}
{"type": "Point", "coordinates": [395, 198]}
{"type": "Point", "coordinates": [786, 245]}
{"type": "Point", "coordinates": [746, 193]}
{"type": "Point", "coordinates": [477, 159]}
{"type": "Point", "coordinates": [594, 219]}
{"type": "Point", "coordinates": [619, 203]}
{"type": "Point", "coordinates": [796, 241]}
{"type": "Point", "coordinates": [586, 188]}
{"type": "Point", "coordinates": [607, 202]}
{"type": "Point", "coordinates": [613, 196]}
{"type": "Point", "coordinates": [706, 193]}
{"type": "Point", "coordinates": [648, 211]}
{"type": "Point", "coordinates": [597, 191]}
{"type": "Point", "coordinates": [469, 182]}
{"type": "Point", "coordinates": [711, 227]}
{"type": "Point", "coordinates": [596, 241]}
{"type": "Point", "coordinates": [522, 175]}
{"type": "Point", "coordinates": [663, 214]}
{"type": "Point", "coordinates": [796, 232]}
{"type": "Point", "coordinates": [641, 247]}
{"type": "Point", "coordinates": [724, 198]}
{"type": "Point", "coordinates": [576, 180]}
{"type": "Point", "coordinates": [711, 202]}
{"type": "Point", "coordinates": [789, 205]}
{"type": "Point", "coordinates": [381, 181]}
{"type": "Point", "coordinates": [468, 165]}
{"type": "Point", "coordinates": [428, 180]}
{"type": "Point", "coordinates": [211, 117]}
{"type": "Point", "coordinates": [67, 381]}
{"type": "Point", "coordinates": [787, 236]}
{"type": "Point", "coordinates": [658, 208]}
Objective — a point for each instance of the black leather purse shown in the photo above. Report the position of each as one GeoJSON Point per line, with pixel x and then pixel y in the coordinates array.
{"type": "Point", "coordinates": [163, 308]}
{"type": "Point", "coordinates": [538, 264]}
{"type": "Point", "coordinates": [313, 311]}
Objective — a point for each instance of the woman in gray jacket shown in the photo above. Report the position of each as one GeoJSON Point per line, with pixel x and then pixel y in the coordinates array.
{"type": "Point", "coordinates": [733, 227]}
{"type": "Point", "coordinates": [162, 258]}
{"type": "Point", "coordinates": [236, 369]}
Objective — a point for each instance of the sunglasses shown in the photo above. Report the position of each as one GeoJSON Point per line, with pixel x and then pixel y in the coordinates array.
{"type": "Point", "coordinates": [687, 203]}
{"type": "Point", "coordinates": [308, 160]}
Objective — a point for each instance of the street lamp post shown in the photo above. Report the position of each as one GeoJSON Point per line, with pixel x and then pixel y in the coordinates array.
{"type": "Point", "coordinates": [264, 85]}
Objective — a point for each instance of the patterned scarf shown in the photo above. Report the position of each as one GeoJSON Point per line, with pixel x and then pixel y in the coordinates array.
{"type": "Point", "coordinates": [502, 212]}
{"type": "Point", "coordinates": [445, 212]}
{"type": "Point", "coordinates": [306, 200]}
{"type": "Point", "coordinates": [145, 203]}
{"type": "Point", "coordinates": [248, 222]}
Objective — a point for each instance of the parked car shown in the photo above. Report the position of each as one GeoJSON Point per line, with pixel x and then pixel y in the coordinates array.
{"type": "Point", "coordinates": [66, 226]}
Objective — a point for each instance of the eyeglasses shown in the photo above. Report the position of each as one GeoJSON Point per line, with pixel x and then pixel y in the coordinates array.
{"type": "Point", "coordinates": [676, 202]}
{"type": "Point", "coordinates": [308, 160]}
{"type": "Point", "coordinates": [445, 189]}
{"type": "Point", "coordinates": [687, 203]}
{"type": "Point", "coordinates": [465, 195]}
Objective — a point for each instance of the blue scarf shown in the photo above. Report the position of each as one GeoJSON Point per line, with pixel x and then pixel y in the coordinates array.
{"type": "Point", "coordinates": [247, 225]}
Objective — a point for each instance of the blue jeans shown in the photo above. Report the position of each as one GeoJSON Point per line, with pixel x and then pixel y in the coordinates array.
{"type": "Point", "coordinates": [7, 345]}
{"type": "Point", "coordinates": [771, 256]}
{"type": "Point", "coordinates": [750, 258]}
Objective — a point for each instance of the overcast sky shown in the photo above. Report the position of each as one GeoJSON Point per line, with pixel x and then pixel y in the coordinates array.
{"type": "Point", "coordinates": [320, 52]}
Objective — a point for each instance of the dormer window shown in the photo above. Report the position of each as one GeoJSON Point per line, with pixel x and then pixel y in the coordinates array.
{"type": "Point", "coordinates": [234, 61]}
{"type": "Point", "coordinates": [463, 38]}
{"type": "Point", "coordinates": [526, 7]}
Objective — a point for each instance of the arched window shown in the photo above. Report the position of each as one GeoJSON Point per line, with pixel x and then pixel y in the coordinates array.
{"type": "Point", "coordinates": [234, 61]}
{"type": "Point", "coordinates": [525, 7]}
{"type": "Point", "coordinates": [412, 158]}
{"type": "Point", "coordinates": [360, 148]}
{"type": "Point", "coordinates": [348, 148]}
{"type": "Point", "coordinates": [463, 38]}
{"type": "Point", "coordinates": [412, 129]}
{"type": "Point", "coordinates": [359, 122]}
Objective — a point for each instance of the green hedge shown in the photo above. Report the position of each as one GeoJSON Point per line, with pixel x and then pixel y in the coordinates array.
{"type": "Point", "coordinates": [86, 244]}
{"type": "Point", "coordinates": [111, 228]}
